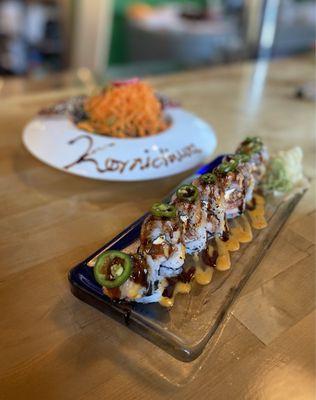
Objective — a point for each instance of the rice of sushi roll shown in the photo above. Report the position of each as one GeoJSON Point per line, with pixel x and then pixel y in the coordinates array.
{"type": "Point", "coordinates": [155, 295]}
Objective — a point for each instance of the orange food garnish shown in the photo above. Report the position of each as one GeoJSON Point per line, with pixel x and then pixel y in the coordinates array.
{"type": "Point", "coordinates": [130, 110]}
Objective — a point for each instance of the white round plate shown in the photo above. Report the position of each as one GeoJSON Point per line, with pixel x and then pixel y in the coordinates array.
{"type": "Point", "coordinates": [59, 143]}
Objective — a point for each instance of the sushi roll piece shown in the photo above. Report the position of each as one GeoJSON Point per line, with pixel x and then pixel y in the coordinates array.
{"type": "Point", "coordinates": [211, 198]}
{"type": "Point", "coordinates": [122, 276]}
{"type": "Point", "coordinates": [245, 168]}
{"type": "Point", "coordinates": [127, 277]}
{"type": "Point", "coordinates": [259, 156]}
{"type": "Point", "coordinates": [161, 242]}
{"type": "Point", "coordinates": [192, 218]}
{"type": "Point", "coordinates": [150, 289]}
{"type": "Point", "coordinates": [236, 182]}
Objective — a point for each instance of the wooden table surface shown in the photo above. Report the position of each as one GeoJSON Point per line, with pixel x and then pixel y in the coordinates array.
{"type": "Point", "coordinates": [52, 346]}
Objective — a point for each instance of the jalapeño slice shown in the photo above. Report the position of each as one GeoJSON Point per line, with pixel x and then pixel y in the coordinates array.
{"type": "Point", "coordinates": [112, 268]}
{"type": "Point", "coordinates": [251, 145]}
{"type": "Point", "coordinates": [208, 178]}
{"type": "Point", "coordinates": [242, 157]}
{"type": "Point", "coordinates": [163, 210]}
{"type": "Point", "coordinates": [227, 166]}
{"type": "Point", "coordinates": [188, 193]}
{"type": "Point", "coordinates": [252, 139]}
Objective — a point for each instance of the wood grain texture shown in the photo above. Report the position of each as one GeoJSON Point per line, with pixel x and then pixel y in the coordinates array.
{"type": "Point", "coordinates": [52, 346]}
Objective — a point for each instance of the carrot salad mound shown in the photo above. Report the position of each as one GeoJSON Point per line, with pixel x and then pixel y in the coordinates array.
{"type": "Point", "coordinates": [124, 109]}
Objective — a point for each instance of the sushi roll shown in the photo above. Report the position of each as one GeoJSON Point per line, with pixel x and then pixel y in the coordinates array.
{"type": "Point", "coordinates": [211, 198]}
{"type": "Point", "coordinates": [192, 218]}
{"type": "Point", "coordinates": [259, 156]}
{"type": "Point", "coordinates": [161, 242]}
{"type": "Point", "coordinates": [197, 213]}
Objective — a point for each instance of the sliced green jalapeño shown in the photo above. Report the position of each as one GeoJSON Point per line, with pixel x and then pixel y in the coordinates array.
{"type": "Point", "coordinates": [232, 162]}
{"type": "Point", "coordinates": [208, 178]}
{"type": "Point", "coordinates": [188, 193]}
{"type": "Point", "coordinates": [227, 166]}
{"type": "Point", "coordinates": [242, 157]}
{"type": "Point", "coordinates": [163, 210]}
{"type": "Point", "coordinates": [252, 139]}
{"type": "Point", "coordinates": [251, 145]}
{"type": "Point", "coordinates": [112, 268]}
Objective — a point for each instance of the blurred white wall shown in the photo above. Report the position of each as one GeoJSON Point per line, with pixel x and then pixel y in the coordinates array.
{"type": "Point", "coordinates": [253, 11]}
{"type": "Point", "coordinates": [92, 34]}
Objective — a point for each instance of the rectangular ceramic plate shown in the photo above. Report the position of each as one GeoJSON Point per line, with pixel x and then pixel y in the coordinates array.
{"type": "Point", "coordinates": [184, 330]}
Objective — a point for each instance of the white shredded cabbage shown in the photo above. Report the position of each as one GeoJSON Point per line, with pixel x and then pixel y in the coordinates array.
{"type": "Point", "coordinates": [285, 170]}
{"type": "Point", "coordinates": [292, 161]}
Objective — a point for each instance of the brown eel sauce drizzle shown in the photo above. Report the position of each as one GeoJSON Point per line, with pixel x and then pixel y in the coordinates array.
{"type": "Point", "coordinates": [185, 277]}
{"type": "Point", "coordinates": [210, 260]}
{"type": "Point", "coordinates": [140, 270]}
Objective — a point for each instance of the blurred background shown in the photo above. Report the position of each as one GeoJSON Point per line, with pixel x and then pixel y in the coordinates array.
{"type": "Point", "coordinates": [126, 37]}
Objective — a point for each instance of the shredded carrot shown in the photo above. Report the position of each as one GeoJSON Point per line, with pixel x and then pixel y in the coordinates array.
{"type": "Point", "coordinates": [130, 110]}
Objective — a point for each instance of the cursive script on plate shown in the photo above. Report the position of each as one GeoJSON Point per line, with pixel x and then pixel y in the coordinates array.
{"type": "Point", "coordinates": [110, 164]}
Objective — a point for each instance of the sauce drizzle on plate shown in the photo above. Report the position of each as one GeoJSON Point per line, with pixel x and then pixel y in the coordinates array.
{"type": "Point", "coordinates": [218, 249]}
